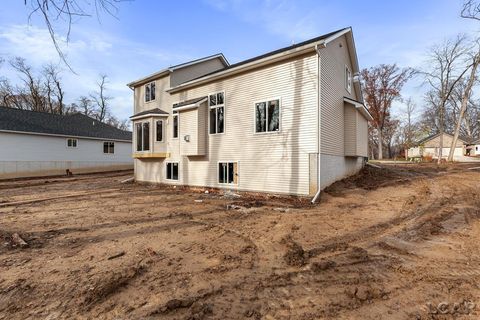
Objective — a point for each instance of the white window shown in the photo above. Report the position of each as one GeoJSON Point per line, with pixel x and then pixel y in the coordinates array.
{"type": "Point", "coordinates": [216, 103]}
{"type": "Point", "coordinates": [267, 116]}
{"type": "Point", "coordinates": [348, 79]}
{"type": "Point", "coordinates": [72, 143]}
{"type": "Point", "coordinates": [142, 134]}
{"type": "Point", "coordinates": [150, 91]}
{"type": "Point", "coordinates": [175, 126]}
{"type": "Point", "coordinates": [159, 129]}
{"type": "Point", "coordinates": [172, 170]}
{"type": "Point", "coordinates": [228, 172]}
{"type": "Point", "coordinates": [109, 147]}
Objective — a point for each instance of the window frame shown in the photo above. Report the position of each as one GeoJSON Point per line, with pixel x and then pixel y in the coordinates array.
{"type": "Point", "coordinates": [178, 170]}
{"type": "Point", "coordinates": [141, 123]}
{"type": "Point", "coordinates": [156, 130]}
{"type": "Point", "coordinates": [72, 146]}
{"type": "Point", "coordinates": [145, 91]}
{"type": "Point", "coordinates": [173, 125]}
{"type": "Point", "coordinates": [108, 147]}
{"type": "Point", "coordinates": [266, 104]}
{"type": "Point", "coordinates": [216, 107]}
{"type": "Point", "coordinates": [348, 79]}
{"type": "Point", "coordinates": [218, 173]}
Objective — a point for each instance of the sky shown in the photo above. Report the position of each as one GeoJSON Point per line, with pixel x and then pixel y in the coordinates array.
{"type": "Point", "coordinates": [146, 36]}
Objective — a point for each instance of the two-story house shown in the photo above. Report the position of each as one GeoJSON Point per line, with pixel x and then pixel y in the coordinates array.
{"type": "Point", "coordinates": [290, 121]}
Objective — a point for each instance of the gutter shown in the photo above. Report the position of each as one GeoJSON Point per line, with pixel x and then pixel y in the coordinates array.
{"type": "Point", "coordinates": [318, 47]}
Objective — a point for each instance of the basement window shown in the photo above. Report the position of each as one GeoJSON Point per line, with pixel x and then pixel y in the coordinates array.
{"type": "Point", "coordinates": [150, 91]}
{"type": "Point", "coordinates": [228, 172]}
{"type": "Point", "coordinates": [267, 116]}
{"type": "Point", "coordinates": [72, 143]}
{"type": "Point", "coordinates": [216, 103]}
{"type": "Point", "coordinates": [142, 135]}
{"type": "Point", "coordinates": [172, 171]}
{"type": "Point", "coordinates": [109, 147]}
{"type": "Point", "coordinates": [159, 131]}
{"type": "Point", "coordinates": [175, 126]}
{"type": "Point", "coordinates": [348, 79]}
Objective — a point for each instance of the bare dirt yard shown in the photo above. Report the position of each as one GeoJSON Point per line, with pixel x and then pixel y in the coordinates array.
{"type": "Point", "coordinates": [401, 242]}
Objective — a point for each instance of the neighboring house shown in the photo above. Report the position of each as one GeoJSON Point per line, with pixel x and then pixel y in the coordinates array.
{"type": "Point", "coordinates": [474, 148]}
{"type": "Point", "coordinates": [430, 147]}
{"type": "Point", "coordinates": [40, 144]}
{"type": "Point", "coordinates": [290, 121]}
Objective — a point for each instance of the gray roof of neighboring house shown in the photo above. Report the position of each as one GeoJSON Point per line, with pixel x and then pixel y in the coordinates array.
{"type": "Point", "coordinates": [187, 102]}
{"type": "Point", "coordinates": [151, 111]}
{"type": "Point", "coordinates": [75, 125]}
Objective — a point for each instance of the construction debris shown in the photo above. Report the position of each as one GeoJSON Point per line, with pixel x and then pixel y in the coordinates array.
{"type": "Point", "coordinates": [18, 241]}
{"type": "Point", "coordinates": [127, 180]}
{"type": "Point", "coordinates": [118, 255]}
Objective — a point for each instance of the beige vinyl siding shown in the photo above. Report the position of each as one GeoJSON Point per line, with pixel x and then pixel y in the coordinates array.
{"type": "Point", "coordinates": [161, 99]}
{"type": "Point", "coordinates": [272, 162]}
{"type": "Point", "coordinates": [333, 58]}
{"type": "Point", "coordinates": [447, 142]}
{"type": "Point", "coordinates": [194, 126]}
{"type": "Point", "coordinates": [362, 135]}
{"type": "Point", "coordinates": [350, 130]}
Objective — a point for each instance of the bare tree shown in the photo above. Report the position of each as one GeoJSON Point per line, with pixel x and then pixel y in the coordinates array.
{"type": "Point", "coordinates": [447, 62]}
{"type": "Point", "coordinates": [85, 105]}
{"type": "Point", "coordinates": [52, 11]}
{"type": "Point", "coordinates": [382, 85]}
{"type": "Point", "coordinates": [32, 84]}
{"type": "Point", "coordinates": [465, 100]}
{"type": "Point", "coordinates": [53, 83]}
{"type": "Point", "coordinates": [100, 98]}
{"type": "Point", "coordinates": [471, 10]}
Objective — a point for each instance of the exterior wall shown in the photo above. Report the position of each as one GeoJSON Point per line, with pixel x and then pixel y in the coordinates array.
{"type": "Point", "coordinates": [194, 71]}
{"type": "Point", "coordinates": [161, 99]}
{"type": "Point", "coordinates": [270, 162]}
{"type": "Point", "coordinates": [35, 155]}
{"type": "Point", "coordinates": [447, 141]}
{"type": "Point", "coordinates": [362, 135]}
{"type": "Point", "coordinates": [334, 168]}
{"type": "Point", "coordinates": [350, 140]}
{"type": "Point", "coordinates": [334, 165]}
{"type": "Point", "coordinates": [333, 60]}
{"type": "Point", "coordinates": [194, 125]}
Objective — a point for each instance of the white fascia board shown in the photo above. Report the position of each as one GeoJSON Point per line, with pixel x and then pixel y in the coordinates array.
{"type": "Point", "coordinates": [149, 115]}
{"type": "Point", "coordinates": [63, 136]}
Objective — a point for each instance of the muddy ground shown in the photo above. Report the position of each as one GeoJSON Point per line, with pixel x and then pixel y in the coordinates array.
{"type": "Point", "coordinates": [389, 243]}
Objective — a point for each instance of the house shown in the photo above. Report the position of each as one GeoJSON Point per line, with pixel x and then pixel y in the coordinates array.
{"type": "Point", "coordinates": [430, 147]}
{"type": "Point", "coordinates": [40, 144]}
{"type": "Point", "coordinates": [289, 121]}
{"type": "Point", "coordinates": [474, 148]}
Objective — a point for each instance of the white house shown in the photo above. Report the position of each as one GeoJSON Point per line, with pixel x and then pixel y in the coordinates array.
{"type": "Point", "coordinates": [289, 121]}
{"type": "Point", "coordinates": [41, 144]}
{"type": "Point", "coordinates": [430, 147]}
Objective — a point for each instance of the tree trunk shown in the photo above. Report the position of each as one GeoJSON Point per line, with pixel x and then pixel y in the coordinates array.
{"type": "Point", "coordinates": [380, 144]}
{"type": "Point", "coordinates": [466, 96]}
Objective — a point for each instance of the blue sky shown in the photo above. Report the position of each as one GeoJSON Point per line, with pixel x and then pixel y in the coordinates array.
{"type": "Point", "coordinates": [148, 36]}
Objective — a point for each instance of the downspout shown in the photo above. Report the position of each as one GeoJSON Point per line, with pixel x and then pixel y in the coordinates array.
{"type": "Point", "coordinates": [318, 47]}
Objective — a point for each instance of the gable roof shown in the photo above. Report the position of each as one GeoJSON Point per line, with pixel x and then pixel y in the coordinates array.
{"type": "Point", "coordinates": [433, 136]}
{"type": "Point", "coordinates": [275, 55]}
{"type": "Point", "coordinates": [170, 69]}
{"type": "Point", "coordinates": [73, 125]}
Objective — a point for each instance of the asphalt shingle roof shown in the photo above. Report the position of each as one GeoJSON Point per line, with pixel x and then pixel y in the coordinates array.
{"type": "Point", "coordinates": [77, 125]}
{"type": "Point", "coordinates": [187, 102]}
{"type": "Point", "coordinates": [151, 111]}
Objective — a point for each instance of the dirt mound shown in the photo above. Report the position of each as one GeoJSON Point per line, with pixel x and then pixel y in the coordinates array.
{"type": "Point", "coordinates": [295, 255]}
